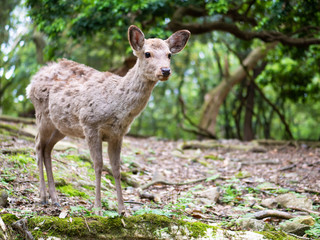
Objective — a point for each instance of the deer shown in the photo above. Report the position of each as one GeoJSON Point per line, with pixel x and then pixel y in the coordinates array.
{"type": "Point", "coordinates": [72, 99]}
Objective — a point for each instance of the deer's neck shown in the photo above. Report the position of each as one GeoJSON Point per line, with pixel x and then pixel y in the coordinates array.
{"type": "Point", "coordinates": [136, 89]}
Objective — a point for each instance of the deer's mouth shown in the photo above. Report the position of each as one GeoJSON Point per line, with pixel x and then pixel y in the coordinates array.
{"type": "Point", "coordinates": [163, 78]}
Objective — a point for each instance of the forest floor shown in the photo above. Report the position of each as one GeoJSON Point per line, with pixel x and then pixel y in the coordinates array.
{"type": "Point", "coordinates": [210, 181]}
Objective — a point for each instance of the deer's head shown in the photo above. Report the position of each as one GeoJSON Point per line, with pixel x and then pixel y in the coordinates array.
{"type": "Point", "coordinates": [154, 54]}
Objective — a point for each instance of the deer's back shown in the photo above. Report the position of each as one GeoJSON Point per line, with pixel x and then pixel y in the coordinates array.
{"type": "Point", "coordinates": [71, 94]}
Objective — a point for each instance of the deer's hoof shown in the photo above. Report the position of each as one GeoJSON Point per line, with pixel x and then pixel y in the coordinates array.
{"type": "Point", "coordinates": [56, 204]}
{"type": "Point", "coordinates": [44, 202]}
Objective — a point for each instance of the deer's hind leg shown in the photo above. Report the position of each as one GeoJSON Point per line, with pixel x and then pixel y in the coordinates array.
{"type": "Point", "coordinates": [47, 137]}
{"type": "Point", "coordinates": [56, 136]}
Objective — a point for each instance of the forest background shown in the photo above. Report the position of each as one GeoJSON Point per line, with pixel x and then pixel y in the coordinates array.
{"type": "Point", "coordinates": [250, 70]}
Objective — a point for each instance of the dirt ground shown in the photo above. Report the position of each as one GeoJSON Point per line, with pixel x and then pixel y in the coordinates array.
{"type": "Point", "coordinates": [241, 175]}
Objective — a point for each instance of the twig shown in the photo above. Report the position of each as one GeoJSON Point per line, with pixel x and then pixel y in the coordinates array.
{"type": "Point", "coordinates": [304, 210]}
{"type": "Point", "coordinates": [201, 131]}
{"type": "Point", "coordinates": [275, 162]}
{"type": "Point", "coordinates": [146, 186]}
{"type": "Point", "coordinates": [288, 167]}
{"type": "Point", "coordinates": [273, 213]}
{"type": "Point", "coordinates": [133, 202]}
{"type": "Point", "coordinates": [281, 116]}
{"type": "Point", "coordinates": [86, 223]}
{"type": "Point", "coordinates": [123, 223]}
{"type": "Point", "coordinates": [296, 236]}
{"type": "Point", "coordinates": [311, 190]}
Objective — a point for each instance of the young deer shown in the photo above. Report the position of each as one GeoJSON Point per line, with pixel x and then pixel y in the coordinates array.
{"type": "Point", "coordinates": [72, 99]}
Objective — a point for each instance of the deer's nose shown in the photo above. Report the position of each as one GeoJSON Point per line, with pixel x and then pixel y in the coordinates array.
{"type": "Point", "coordinates": [165, 72]}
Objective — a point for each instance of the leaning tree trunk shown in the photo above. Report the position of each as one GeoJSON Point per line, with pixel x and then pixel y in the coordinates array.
{"type": "Point", "coordinates": [215, 97]}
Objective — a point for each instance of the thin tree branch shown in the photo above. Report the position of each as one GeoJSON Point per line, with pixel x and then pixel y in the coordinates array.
{"type": "Point", "coordinates": [202, 131]}
{"type": "Point", "coordinates": [282, 117]}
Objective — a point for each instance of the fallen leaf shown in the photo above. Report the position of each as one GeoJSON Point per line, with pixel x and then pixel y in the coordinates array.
{"type": "Point", "coordinates": [64, 212]}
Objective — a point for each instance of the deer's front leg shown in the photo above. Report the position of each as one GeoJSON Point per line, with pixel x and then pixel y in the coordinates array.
{"type": "Point", "coordinates": [95, 146]}
{"type": "Point", "coordinates": [114, 150]}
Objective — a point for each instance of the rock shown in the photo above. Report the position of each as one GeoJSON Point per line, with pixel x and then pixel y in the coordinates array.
{"type": "Point", "coordinates": [290, 200]}
{"type": "Point", "coordinates": [158, 176]}
{"type": "Point", "coordinates": [269, 203]}
{"type": "Point", "coordinates": [306, 220]}
{"type": "Point", "coordinates": [3, 198]}
{"type": "Point", "coordinates": [209, 196]}
{"type": "Point", "coordinates": [294, 227]}
{"type": "Point", "coordinates": [251, 224]}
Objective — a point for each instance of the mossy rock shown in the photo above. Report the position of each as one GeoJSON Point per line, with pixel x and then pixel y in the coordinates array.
{"type": "Point", "coordinates": [147, 226]}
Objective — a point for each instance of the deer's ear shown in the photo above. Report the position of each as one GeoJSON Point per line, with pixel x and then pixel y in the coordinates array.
{"type": "Point", "coordinates": [136, 38]}
{"type": "Point", "coordinates": [178, 40]}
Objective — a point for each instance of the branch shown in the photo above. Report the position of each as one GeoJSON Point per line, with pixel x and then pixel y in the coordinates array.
{"type": "Point", "coordinates": [266, 36]}
{"type": "Point", "coordinates": [282, 117]}
{"type": "Point", "coordinates": [146, 186]}
{"type": "Point", "coordinates": [202, 131]}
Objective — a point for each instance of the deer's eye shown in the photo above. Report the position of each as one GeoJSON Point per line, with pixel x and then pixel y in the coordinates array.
{"type": "Point", "coordinates": [147, 55]}
{"type": "Point", "coordinates": [169, 55]}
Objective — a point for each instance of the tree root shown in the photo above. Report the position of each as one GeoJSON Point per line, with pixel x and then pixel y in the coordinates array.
{"type": "Point", "coordinates": [273, 213]}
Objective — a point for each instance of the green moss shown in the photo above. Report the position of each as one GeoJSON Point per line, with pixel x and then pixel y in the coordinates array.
{"type": "Point", "coordinates": [8, 218]}
{"type": "Point", "coordinates": [198, 229]}
{"type": "Point", "coordinates": [54, 226]}
{"type": "Point", "coordinates": [279, 235]}
{"type": "Point", "coordinates": [72, 192]}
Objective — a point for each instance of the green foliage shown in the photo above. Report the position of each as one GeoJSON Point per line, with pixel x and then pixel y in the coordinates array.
{"type": "Point", "coordinates": [95, 33]}
{"type": "Point", "coordinates": [231, 194]}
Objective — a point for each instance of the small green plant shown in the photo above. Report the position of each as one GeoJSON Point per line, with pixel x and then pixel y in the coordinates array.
{"type": "Point", "coordinates": [80, 210]}
{"type": "Point", "coordinates": [110, 214]}
{"type": "Point", "coordinates": [148, 210]}
{"type": "Point", "coordinates": [8, 175]}
{"type": "Point", "coordinates": [314, 231]}
{"type": "Point", "coordinates": [231, 194]}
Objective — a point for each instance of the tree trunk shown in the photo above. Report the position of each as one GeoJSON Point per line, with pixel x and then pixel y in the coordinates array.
{"type": "Point", "coordinates": [215, 97]}
{"type": "Point", "coordinates": [248, 131]}
{"type": "Point", "coordinates": [38, 39]}
{"type": "Point", "coordinates": [248, 134]}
